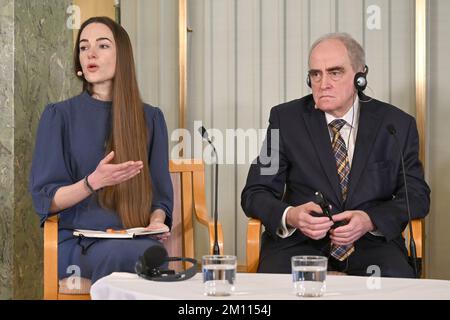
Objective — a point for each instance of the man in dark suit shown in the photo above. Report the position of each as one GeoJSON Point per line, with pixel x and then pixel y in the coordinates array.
{"type": "Point", "coordinates": [337, 141]}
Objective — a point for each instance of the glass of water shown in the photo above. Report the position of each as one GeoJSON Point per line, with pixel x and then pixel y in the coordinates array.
{"type": "Point", "coordinates": [308, 275]}
{"type": "Point", "coordinates": [219, 274]}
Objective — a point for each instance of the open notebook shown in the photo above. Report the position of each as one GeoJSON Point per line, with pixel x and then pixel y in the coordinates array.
{"type": "Point", "coordinates": [120, 234]}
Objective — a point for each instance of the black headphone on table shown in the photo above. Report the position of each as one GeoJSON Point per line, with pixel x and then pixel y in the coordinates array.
{"type": "Point", "coordinates": [360, 80]}
{"type": "Point", "coordinates": [148, 266]}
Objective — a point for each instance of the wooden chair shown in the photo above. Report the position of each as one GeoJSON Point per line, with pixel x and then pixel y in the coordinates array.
{"type": "Point", "coordinates": [254, 228]}
{"type": "Point", "coordinates": [188, 180]}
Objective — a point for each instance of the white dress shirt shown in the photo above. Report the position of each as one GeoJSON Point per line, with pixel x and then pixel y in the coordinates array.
{"type": "Point", "coordinates": [348, 134]}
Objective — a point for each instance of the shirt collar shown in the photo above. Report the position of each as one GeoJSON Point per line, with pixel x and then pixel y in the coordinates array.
{"type": "Point", "coordinates": [351, 117]}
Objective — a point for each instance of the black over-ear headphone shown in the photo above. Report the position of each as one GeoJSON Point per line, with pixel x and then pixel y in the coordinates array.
{"type": "Point", "coordinates": [148, 266]}
{"type": "Point", "coordinates": [360, 80]}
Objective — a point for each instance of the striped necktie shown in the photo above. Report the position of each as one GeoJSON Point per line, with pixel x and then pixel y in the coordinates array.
{"type": "Point", "coordinates": [343, 169]}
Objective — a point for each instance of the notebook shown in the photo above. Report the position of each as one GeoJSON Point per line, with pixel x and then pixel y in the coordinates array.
{"type": "Point", "coordinates": [118, 234]}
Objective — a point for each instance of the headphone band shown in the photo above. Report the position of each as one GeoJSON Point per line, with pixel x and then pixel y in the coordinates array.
{"type": "Point", "coordinates": [170, 275]}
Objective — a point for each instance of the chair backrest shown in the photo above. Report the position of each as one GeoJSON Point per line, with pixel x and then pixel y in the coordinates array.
{"type": "Point", "coordinates": [188, 179]}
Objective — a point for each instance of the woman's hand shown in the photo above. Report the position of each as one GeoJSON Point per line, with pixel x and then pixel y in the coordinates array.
{"type": "Point", "coordinates": [107, 174]}
{"type": "Point", "coordinates": [157, 219]}
{"type": "Point", "coordinates": [157, 226]}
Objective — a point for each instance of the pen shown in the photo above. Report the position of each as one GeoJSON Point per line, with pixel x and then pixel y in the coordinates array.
{"type": "Point", "coordinates": [116, 231]}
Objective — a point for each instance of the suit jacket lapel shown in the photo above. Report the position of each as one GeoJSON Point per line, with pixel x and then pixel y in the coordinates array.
{"type": "Point", "coordinates": [316, 125]}
{"type": "Point", "coordinates": [368, 128]}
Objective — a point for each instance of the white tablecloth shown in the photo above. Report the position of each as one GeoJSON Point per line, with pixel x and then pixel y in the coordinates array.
{"type": "Point", "coordinates": [256, 286]}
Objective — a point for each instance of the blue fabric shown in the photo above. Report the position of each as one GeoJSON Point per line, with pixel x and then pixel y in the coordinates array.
{"type": "Point", "coordinates": [70, 142]}
{"type": "Point", "coordinates": [102, 256]}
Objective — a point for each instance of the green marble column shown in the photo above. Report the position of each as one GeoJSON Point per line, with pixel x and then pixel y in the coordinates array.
{"type": "Point", "coordinates": [36, 69]}
{"type": "Point", "coordinates": [6, 146]}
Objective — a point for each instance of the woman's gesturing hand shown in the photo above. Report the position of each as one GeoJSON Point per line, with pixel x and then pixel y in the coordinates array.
{"type": "Point", "coordinates": [108, 174]}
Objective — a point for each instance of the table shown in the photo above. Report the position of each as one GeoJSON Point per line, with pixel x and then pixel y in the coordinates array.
{"type": "Point", "coordinates": [257, 286]}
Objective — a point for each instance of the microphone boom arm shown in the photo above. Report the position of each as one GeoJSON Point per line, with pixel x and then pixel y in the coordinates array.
{"type": "Point", "coordinates": [204, 134]}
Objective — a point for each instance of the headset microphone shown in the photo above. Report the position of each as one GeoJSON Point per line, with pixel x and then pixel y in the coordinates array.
{"type": "Point", "coordinates": [148, 266]}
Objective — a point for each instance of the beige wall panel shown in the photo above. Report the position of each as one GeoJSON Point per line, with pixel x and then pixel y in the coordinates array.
{"type": "Point", "coordinates": [438, 243]}
{"type": "Point", "coordinates": [153, 29]}
{"type": "Point", "coordinates": [248, 101]}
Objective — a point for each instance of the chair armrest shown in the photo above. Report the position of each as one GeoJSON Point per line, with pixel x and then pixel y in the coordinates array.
{"type": "Point", "coordinates": [418, 231]}
{"type": "Point", "coordinates": [211, 236]}
{"type": "Point", "coordinates": [254, 241]}
{"type": "Point", "coordinates": [201, 212]}
{"type": "Point", "coordinates": [253, 244]}
{"type": "Point", "coordinates": [51, 258]}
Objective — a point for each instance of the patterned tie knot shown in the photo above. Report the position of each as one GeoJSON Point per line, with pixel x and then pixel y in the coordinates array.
{"type": "Point", "coordinates": [336, 125]}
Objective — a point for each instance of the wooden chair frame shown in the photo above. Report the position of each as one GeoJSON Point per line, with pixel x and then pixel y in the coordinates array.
{"type": "Point", "coordinates": [193, 201]}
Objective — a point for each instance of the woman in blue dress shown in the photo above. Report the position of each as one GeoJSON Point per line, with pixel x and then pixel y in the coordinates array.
{"type": "Point", "coordinates": [101, 159]}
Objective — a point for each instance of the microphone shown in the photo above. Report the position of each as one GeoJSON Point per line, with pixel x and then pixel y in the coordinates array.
{"type": "Point", "coordinates": [325, 206]}
{"type": "Point", "coordinates": [204, 135]}
{"type": "Point", "coordinates": [153, 258]}
{"type": "Point", "coordinates": [412, 244]}
{"type": "Point", "coordinates": [148, 266]}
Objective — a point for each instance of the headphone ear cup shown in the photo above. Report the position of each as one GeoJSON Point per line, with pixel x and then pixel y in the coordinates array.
{"type": "Point", "coordinates": [139, 267]}
{"type": "Point", "coordinates": [308, 81]}
{"type": "Point", "coordinates": [360, 81]}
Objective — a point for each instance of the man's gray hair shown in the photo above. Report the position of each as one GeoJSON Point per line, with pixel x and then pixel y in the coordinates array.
{"type": "Point", "coordinates": [355, 50]}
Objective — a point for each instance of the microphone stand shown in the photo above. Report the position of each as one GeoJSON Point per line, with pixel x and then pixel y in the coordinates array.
{"type": "Point", "coordinates": [204, 134]}
{"type": "Point", "coordinates": [412, 243]}
{"type": "Point", "coordinates": [216, 249]}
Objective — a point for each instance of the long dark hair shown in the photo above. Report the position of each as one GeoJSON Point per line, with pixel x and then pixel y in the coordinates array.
{"type": "Point", "coordinates": [128, 137]}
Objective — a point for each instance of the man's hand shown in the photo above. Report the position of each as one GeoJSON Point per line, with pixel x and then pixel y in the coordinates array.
{"type": "Point", "coordinates": [359, 224]}
{"type": "Point", "coordinates": [313, 227]}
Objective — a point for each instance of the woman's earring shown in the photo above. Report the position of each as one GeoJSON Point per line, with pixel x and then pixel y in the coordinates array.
{"type": "Point", "coordinates": [79, 73]}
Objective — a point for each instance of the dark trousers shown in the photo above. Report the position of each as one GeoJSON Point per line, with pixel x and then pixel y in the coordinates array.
{"type": "Point", "coordinates": [371, 253]}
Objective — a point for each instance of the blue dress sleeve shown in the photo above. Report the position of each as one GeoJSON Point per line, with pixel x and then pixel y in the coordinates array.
{"type": "Point", "coordinates": [159, 168]}
{"type": "Point", "coordinates": [50, 165]}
